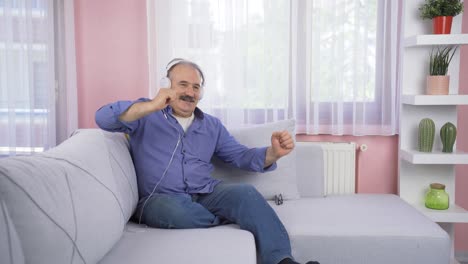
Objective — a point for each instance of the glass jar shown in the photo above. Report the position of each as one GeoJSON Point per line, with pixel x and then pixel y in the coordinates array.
{"type": "Point", "coordinates": [436, 197]}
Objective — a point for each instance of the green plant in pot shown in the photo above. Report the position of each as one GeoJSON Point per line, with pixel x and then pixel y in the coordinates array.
{"type": "Point", "coordinates": [441, 12]}
{"type": "Point", "coordinates": [438, 81]}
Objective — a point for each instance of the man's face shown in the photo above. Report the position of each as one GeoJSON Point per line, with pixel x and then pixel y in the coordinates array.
{"type": "Point", "coordinates": [186, 81]}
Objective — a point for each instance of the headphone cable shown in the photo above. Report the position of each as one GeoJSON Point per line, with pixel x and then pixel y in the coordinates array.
{"type": "Point", "coordinates": [165, 170]}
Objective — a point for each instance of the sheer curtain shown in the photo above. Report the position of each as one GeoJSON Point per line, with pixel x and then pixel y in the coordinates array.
{"type": "Point", "coordinates": [345, 67]}
{"type": "Point", "coordinates": [27, 77]}
{"type": "Point", "coordinates": [331, 64]}
{"type": "Point", "coordinates": [65, 70]}
{"type": "Point", "coordinates": [243, 47]}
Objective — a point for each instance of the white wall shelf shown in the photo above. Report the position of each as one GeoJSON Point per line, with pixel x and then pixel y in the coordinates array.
{"type": "Point", "coordinates": [435, 157]}
{"type": "Point", "coordinates": [427, 40]}
{"type": "Point", "coordinates": [417, 170]}
{"type": "Point", "coordinates": [454, 214]}
{"type": "Point", "coordinates": [452, 99]}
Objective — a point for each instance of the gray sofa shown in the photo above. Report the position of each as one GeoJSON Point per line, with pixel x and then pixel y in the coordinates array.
{"type": "Point", "coordinates": [72, 204]}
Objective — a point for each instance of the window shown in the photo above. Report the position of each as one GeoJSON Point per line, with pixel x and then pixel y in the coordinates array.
{"type": "Point", "coordinates": [346, 67]}
{"type": "Point", "coordinates": [343, 39]}
{"type": "Point", "coordinates": [27, 76]}
{"type": "Point", "coordinates": [331, 65]}
{"type": "Point", "coordinates": [238, 43]}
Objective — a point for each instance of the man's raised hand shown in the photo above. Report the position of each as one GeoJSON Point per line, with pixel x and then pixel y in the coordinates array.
{"type": "Point", "coordinates": [164, 97]}
{"type": "Point", "coordinates": [141, 109]}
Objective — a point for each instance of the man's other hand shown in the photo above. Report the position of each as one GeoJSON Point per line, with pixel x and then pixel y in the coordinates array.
{"type": "Point", "coordinates": [282, 144]}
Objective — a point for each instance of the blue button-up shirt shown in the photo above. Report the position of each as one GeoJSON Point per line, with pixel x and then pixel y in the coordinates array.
{"type": "Point", "coordinates": [154, 138]}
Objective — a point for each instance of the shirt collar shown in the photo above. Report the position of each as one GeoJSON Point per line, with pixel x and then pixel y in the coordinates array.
{"type": "Point", "coordinates": [198, 112]}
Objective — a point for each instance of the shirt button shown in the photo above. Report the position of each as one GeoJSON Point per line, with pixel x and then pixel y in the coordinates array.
{"type": "Point", "coordinates": [185, 162]}
{"type": "Point", "coordinates": [183, 151]}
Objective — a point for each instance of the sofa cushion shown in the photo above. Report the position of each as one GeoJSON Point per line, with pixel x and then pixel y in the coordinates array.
{"type": "Point", "coordinates": [362, 228]}
{"type": "Point", "coordinates": [10, 245]}
{"type": "Point", "coordinates": [280, 181]}
{"type": "Point", "coordinates": [71, 203]}
{"type": "Point", "coordinates": [222, 244]}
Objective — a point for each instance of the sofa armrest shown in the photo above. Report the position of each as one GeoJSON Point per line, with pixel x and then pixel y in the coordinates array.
{"type": "Point", "coordinates": [11, 250]}
{"type": "Point", "coordinates": [309, 167]}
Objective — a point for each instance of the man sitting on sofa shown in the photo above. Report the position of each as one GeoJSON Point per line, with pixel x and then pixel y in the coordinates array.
{"type": "Point", "coordinates": [172, 143]}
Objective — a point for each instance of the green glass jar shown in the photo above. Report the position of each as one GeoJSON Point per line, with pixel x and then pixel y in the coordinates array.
{"type": "Point", "coordinates": [436, 197]}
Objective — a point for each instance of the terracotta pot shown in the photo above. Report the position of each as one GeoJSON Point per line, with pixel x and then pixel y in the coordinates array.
{"type": "Point", "coordinates": [437, 84]}
{"type": "Point", "coordinates": [442, 24]}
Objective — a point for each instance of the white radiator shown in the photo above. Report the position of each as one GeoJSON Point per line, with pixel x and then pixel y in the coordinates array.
{"type": "Point", "coordinates": [339, 167]}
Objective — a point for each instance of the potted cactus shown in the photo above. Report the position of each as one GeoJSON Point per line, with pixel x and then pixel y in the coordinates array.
{"type": "Point", "coordinates": [448, 134]}
{"type": "Point", "coordinates": [426, 135]}
{"type": "Point", "coordinates": [438, 81]}
{"type": "Point", "coordinates": [441, 12]}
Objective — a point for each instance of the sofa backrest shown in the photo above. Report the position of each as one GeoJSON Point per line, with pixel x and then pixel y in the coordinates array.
{"type": "Point", "coordinates": [70, 204]}
{"type": "Point", "coordinates": [300, 174]}
{"type": "Point", "coordinates": [282, 180]}
{"type": "Point", "coordinates": [309, 169]}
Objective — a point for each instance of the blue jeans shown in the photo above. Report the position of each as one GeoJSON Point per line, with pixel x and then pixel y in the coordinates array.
{"type": "Point", "coordinates": [228, 203]}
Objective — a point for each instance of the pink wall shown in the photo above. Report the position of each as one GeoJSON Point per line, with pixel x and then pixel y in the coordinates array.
{"type": "Point", "coordinates": [111, 43]}
{"type": "Point", "coordinates": [111, 52]}
{"type": "Point", "coordinates": [461, 235]}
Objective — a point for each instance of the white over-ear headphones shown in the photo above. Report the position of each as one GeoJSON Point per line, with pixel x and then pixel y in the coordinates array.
{"type": "Point", "coordinates": [165, 82]}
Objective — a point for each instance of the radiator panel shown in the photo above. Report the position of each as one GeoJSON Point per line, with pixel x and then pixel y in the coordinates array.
{"type": "Point", "coordinates": [339, 167]}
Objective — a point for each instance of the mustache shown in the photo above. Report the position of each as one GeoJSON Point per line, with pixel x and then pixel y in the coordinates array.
{"type": "Point", "coordinates": [187, 98]}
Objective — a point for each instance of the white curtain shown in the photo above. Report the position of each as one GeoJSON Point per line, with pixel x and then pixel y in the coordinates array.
{"type": "Point", "coordinates": [332, 64]}
{"type": "Point", "coordinates": [27, 77]}
{"type": "Point", "coordinates": [65, 70]}
{"type": "Point", "coordinates": [345, 66]}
